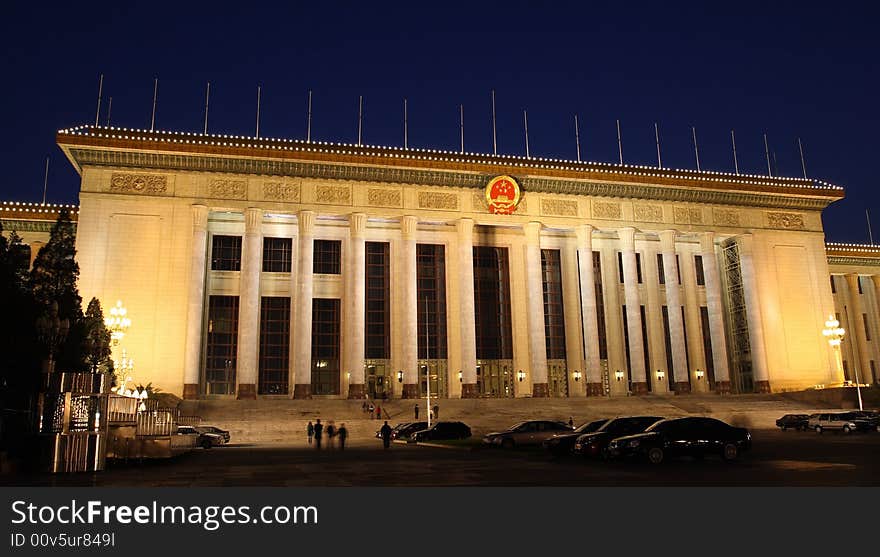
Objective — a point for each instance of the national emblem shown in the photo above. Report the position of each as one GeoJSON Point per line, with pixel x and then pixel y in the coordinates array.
{"type": "Point", "coordinates": [502, 195]}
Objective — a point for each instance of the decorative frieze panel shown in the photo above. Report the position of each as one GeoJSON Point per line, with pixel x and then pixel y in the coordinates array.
{"type": "Point", "coordinates": [149, 184]}
{"type": "Point", "coordinates": [279, 191]}
{"type": "Point", "coordinates": [437, 200]}
{"type": "Point", "coordinates": [687, 215]}
{"type": "Point", "coordinates": [559, 207]}
{"type": "Point", "coordinates": [333, 195]}
{"type": "Point", "coordinates": [794, 221]}
{"type": "Point", "coordinates": [378, 197]}
{"type": "Point", "coordinates": [607, 210]}
{"type": "Point", "coordinates": [726, 217]}
{"type": "Point", "coordinates": [228, 189]}
{"type": "Point", "coordinates": [647, 213]}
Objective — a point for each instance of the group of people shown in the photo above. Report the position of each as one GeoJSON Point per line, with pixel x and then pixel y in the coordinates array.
{"type": "Point", "coordinates": [317, 431]}
{"type": "Point", "coordinates": [435, 412]}
{"type": "Point", "coordinates": [372, 410]}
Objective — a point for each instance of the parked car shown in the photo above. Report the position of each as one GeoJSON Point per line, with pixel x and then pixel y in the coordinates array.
{"type": "Point", "coordinates": [799, 422]}
{"type": "Point", "coordinates": [846, 422]}
{"type": "Point", "coordinates": [594, 444]}
{"type": "Point", "coordinates": [441, 431]}
{"type": "Point", "coordinates": [675, 437]}
{"type": "Point", "coordinates": [563, 442]}
{"type": "Point", "coordinates": [205, 440]}
{"type": "Point", "coordinates": [215, 430]}
{"type": "Point", "coordinates": [871, 416]}
{"type": "Point", "coordinates": [533, 432]}
{"type": "Point", "coordinates": [404, 429]}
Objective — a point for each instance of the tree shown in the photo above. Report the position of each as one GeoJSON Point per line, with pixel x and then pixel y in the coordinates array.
{"type": "Point", "coordinates": [97, 336]}
{"type": "Point", "coordinates": [53, 279]}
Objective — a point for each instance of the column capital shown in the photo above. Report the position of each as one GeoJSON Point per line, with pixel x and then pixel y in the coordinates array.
{"type": "Point", "coordinates": [200, 217]}
{"type": "Point", "coordinates": [707, 242]}
{"type": "Point", "coordinates": [306, 220]}
{"type": "Point", "coordinates": [667, 240]}
{"type": "Point", "coordinates": [627, 237]}
{"type": "Point", "coordinates": [358, 224]}
{"type": "Point", "coordinates": [408, 226]}
{"type": "Point", "coordinates": [876, 279]}
{"type": "Point", "coordinates": [465, 227]}
{"type": "Point", "coordinates": [253, 218]}
{"type": "Point", "coordinates": [533, 233]}
{"type": "Point", "coordinates": [585, 236]}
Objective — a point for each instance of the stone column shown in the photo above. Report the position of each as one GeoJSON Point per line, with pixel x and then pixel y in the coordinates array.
{"type": "Point", "coordinates": [760, 371]}
{"type": "Point", "coordinates": [356, 273]}
{"type": "Point", "coordinates": [535, 301]}
{"type": "Point", "coordinates": [410, 316]}
{"type": "Point", "coordinates": [465, 229]}
{"type": "Point", "coordinates": [196, 302]}
{"type": "Point", "coordinates": [302, 373]}
{"type": "Point", "coordinates": [716, 312]}
{"type": "Point", "coordinates": [861, 342]}
{"type": "Point", "coordinates": [673, 309]}
{"type": "Point", "coordinates": [633, 311]}
{"type": "Point", "coordinates": [589, 311]}
{"type": "Point", "coordinates": [654, 325]}
{"type": "Point", "coordinates": [249, 304]}
{"type": "Point", "coordinates": [693, 325]}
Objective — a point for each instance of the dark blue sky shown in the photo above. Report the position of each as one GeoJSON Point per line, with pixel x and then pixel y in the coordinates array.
{"type": "Point", "coordinates": [790, 70]}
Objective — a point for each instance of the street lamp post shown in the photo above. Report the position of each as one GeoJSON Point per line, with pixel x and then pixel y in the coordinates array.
{"type": "Point", "coordinates": [834, 333]}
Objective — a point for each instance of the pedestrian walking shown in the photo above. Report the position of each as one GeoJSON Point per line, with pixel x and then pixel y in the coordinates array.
{"type": "Point", "coordinates": [342, 433]}
{"type": "Point", "coordinates": [416, 411]}
{"type": "Point", "coordinates": [319, 430]}
{"type": "Point", "coordinates": [436, 412]}
{"type": "Point", "coordinates": [310, 430]}
{"type": "Point", "coordinates": [371, 409]}
{"type": "Point", "coordinates": [386, 435]}
{"type": "Point", "coordinates": [379, 412]}
{"type": "Point", "coordinates": [331, 434]}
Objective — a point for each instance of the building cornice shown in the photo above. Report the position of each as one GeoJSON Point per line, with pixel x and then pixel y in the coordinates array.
{"type": "Point", "coordinates": [112, 147]}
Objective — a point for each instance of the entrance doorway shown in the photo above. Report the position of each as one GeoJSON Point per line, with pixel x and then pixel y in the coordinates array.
{"type": "Point", "coordinates": [495, 378]}
{"type": "Point", "coordinates": [378, 379]}
{"type": "Point", "coordinates": [438, 374]}
{"type": "Point", "coordinates": [557, 376]}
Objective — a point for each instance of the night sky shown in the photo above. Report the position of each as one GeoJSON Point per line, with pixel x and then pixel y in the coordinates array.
{"type": "Point", "coordinates": [789, 71]}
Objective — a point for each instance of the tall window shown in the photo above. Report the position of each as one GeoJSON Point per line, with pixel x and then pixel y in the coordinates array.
{"type": "Point", "coordinates": [638, 267]}
{"type": "Point", "coordinates": [378, 333]}
{"type": "Point", "coordinates": [859, 283]}
{"type": "Point", "coordinates": [600, 305]}
{"type": "Point", "coordinates": [431, 287]}
{"type": "Point", "coordinates": [222, 345]}
{"type": "Point", "coordinates": [325, 346]}
{"type": "Point", "coordinates": [226, 253]}
{"type": "Point", "coordinates": [698, 264]}
{"type": "Point", "coordinates": [274, 345]}
{"type": "Point", "coordinates": [276, 255]}
{"type": "Point", "coordinates": [554, 314]}
{"type": "Point", "coordinates": [660, 271]}
{"type": "Point", "coordinates": [867, 329]}
{"type": "Point", "coordinates": [707, 345]}
{"type": "Point", "coordinates": [669, 365]}
{"type": "Point", "coordinates": [645, 344]}
{"type": "Point", "coordinates": [327, 257]}
{"type": "Point", "coordinates": [833, 289]}
{"type": "Point", "coordinates": [492, 303]}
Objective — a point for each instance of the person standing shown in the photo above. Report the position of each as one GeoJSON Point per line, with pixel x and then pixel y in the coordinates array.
{"type": "Point", "coordinates": [386, 435]}
{"type": "Point", "coordinates": [310, 430]}
{"type": "Point", "coordinates": [331, 434]}
{"type": "Point", "coordinates": [570, 421]}
{"type": "Point", "coordinates": [319, 430]}
{"type": "Point", "coordinates": [436, 412]}
{"type": "Point", "coordinates": [371, 408]}
{"type": "Point", "coordinates": [416, 411]}
{"type": "Point", "coordinates": [342, 433]}
{"type": "Point", "coordinates": [379, 413]}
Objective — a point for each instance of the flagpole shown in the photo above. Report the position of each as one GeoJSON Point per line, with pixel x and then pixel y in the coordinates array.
{"type": "Point", "coordinates": [461, 124]}
{"type": "Point", "coordinates": [657, 139]}
{"type": "Point", "coordinates": [109, 108]}
{"type": "Point", "coordinates": [494, 136]}
{"type": "Point", "coordinates": [258, 111]}
{"type": "Point", "coordinates": [207, 98]}
{"type": "Point", "coordinates": [405, 127]}
{"type": "Point", "coordinates": [100, 90]}
{"type": "Point", "coordinates": [360, 116]}
{"type": "Point", "coordinates": [46, 181]}
{"type": "Point", "coordinates": [526, 124]}
{"type": "Point", "coordinates": [735, 162]}
{"type": "Point", "coordinates": [867, 217]}
{"type": "Point", "coordinates": [577, 137]}
{"type": "Point", "coordinates": [696, 148]}
{"type": "Point", "coordinates": [155, 97]}
{"type": "Point", "coordinates": [767, 154]}
{"type": "Point", "coordinates": [619, 143]}
{"type": "Point", "coordinates": [803, 162]}
{"type": "Point", "coordinates": [309, 120]}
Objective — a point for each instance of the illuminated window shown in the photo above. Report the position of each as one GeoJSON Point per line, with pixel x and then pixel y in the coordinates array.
{"type": "Point", "coordinates": [327, 257]}
{"type": "Point", "coordinates": [226, 253]}
{"type": "Point", "coordinates": [276, 255]}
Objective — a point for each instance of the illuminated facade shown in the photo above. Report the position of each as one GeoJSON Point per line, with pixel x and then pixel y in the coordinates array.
{"type": "Point", "coordinates": [262, 267]}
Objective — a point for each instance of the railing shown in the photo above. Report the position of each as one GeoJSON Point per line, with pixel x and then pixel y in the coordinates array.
{"type": "Point", "coordinates": [122, 409]}
{"type": "Point", "coordinates": [189, 420]}
{"type": "Point", "coordinates": [160, 421]}
{"type": "Point", "coordinates": [91, 383]}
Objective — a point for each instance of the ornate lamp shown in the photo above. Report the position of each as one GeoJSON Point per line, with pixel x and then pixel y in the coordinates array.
{"type": "Point", "coordinates": [618, 375]}
{"type": "Point", "coordinates": [521, 375]}
{"type": "Point", "coordinates": [117, 322]}
{"type": "Point", "coordinates": [577, 375]}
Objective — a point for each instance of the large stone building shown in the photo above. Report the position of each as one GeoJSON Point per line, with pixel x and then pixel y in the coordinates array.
{"type": "Point", "coordinates": [264, 267]}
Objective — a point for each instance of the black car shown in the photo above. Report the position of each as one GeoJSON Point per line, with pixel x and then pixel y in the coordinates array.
{"type": "Point", "coordinates": [404, 430]}
{"type": "Point", "coordinates": [675, 437]}
{"type": "Point", "coordinates": [442, 430]}
{"type": "Point", "coordinates": [871, 417]}
{"type": "Point", "coordinates": [532, 432]}
{"type": "Point", "coordinates": [563, 443]}
{"type": "Point", "coordinates": [214, 430]}
{"type": "Point", "coordinates": [594, 444]}
{"type": "Point", "coordinates": [793, 421]}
